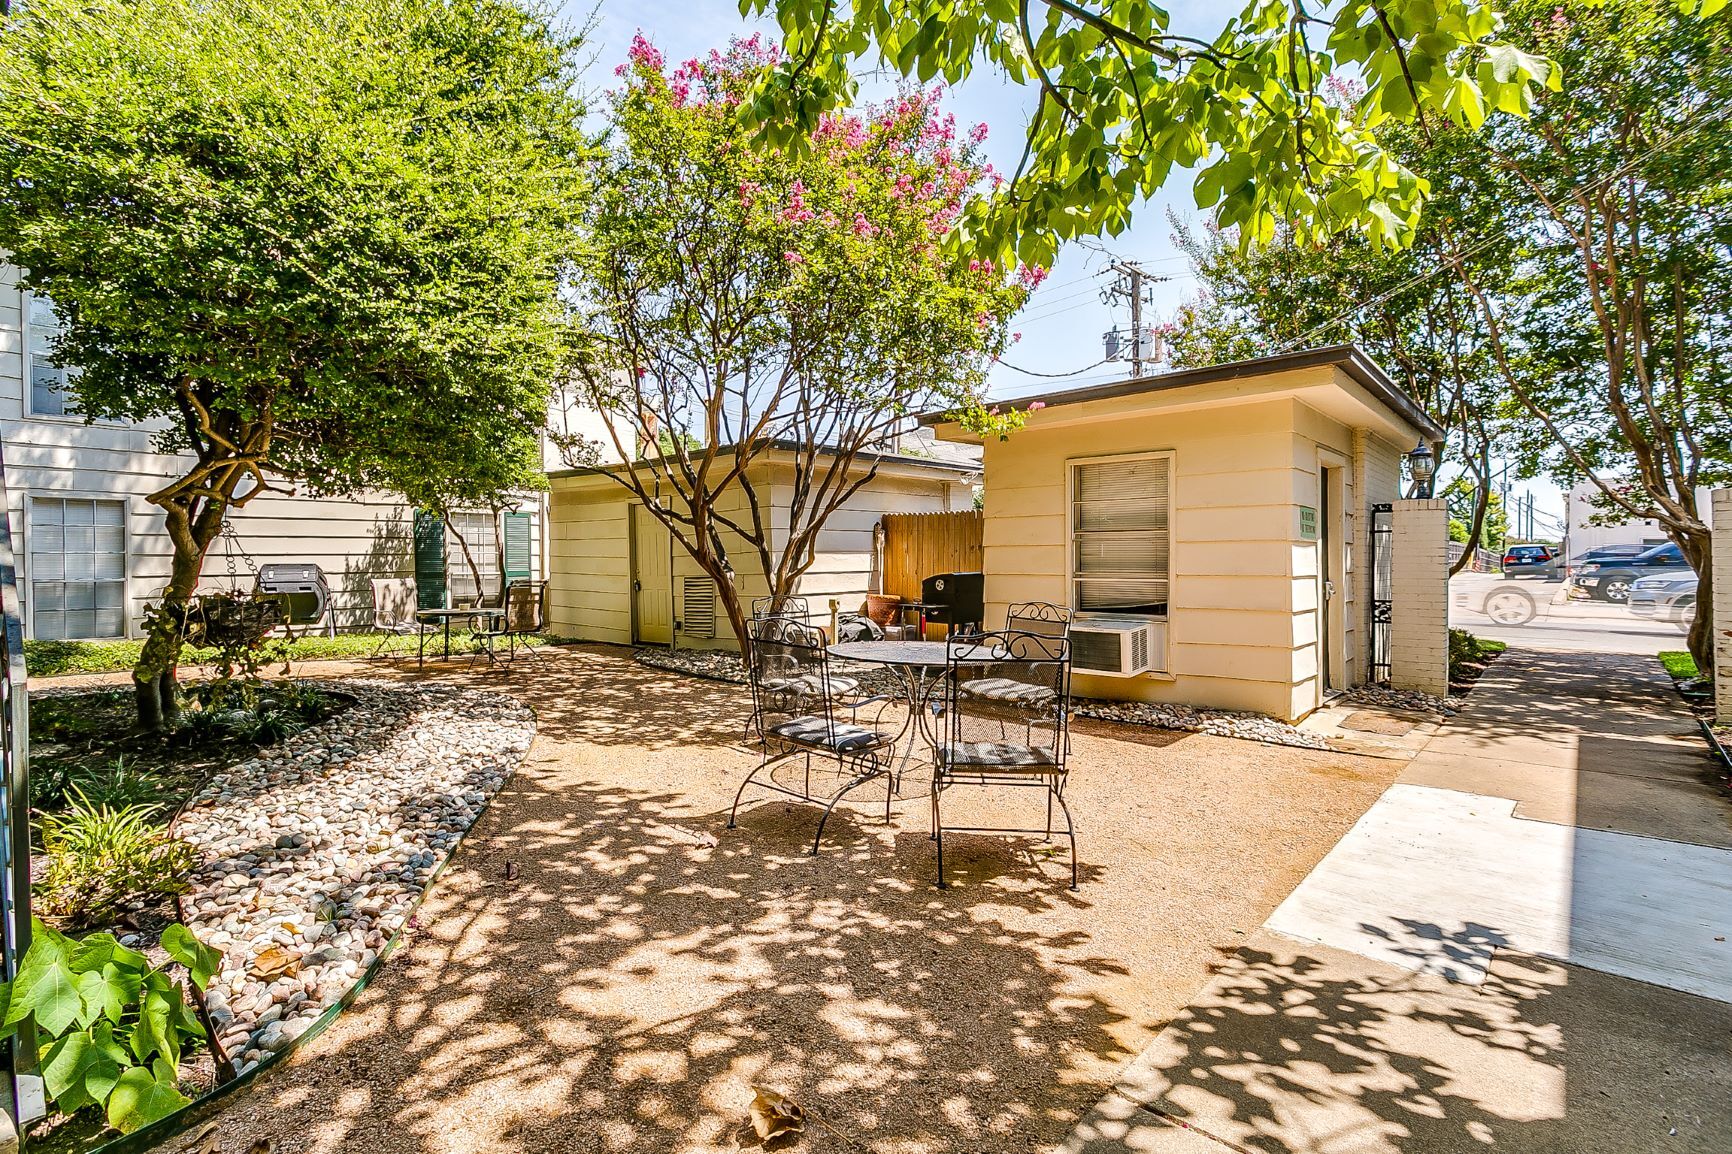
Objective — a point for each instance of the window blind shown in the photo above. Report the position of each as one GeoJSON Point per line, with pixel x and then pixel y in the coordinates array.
{"type": "Point", "coordinates": [1120, 534]}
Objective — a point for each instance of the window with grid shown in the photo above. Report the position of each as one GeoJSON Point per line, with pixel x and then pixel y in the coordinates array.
{"type": "Point", "coordinates": [476, 529]}
{"type": "Point", "coordinates": [1120, 538]}
{"type": "Point", "coordinates": [77, 568]}
{"type": "Point", "coordinates": [49, 383]}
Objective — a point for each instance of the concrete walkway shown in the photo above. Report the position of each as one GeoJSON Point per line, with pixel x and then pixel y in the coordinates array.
{"type": "Point", "coordinates": [1523, 945]}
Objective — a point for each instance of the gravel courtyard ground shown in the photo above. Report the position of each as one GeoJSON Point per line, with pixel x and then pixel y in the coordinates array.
{"type": "Point", "coordinates": [606, 967]}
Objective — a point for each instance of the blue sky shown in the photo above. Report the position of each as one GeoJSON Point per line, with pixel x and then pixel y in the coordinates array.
{"type": "Point", "coordinates": [1061, 327]}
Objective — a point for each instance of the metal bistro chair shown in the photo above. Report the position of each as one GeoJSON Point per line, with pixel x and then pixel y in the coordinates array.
{"type": "Point", "coordinates": [1040, 617]}
{"type": "Point", "coordinates": [394, 607]}
{"type": "Point", "coordinates": [1017, 680]}
{"type": "Point", "coordinates": [525, 615]}
{"type": "Point", "coordinates": [793, 608]}
{"type": "Point", "coordinates": [795, 698]}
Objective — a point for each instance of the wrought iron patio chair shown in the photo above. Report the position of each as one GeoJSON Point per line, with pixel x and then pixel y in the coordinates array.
{"type": "Point", "coordinates": [791, 609]}
{"type": "Point", "coordinates": [524, 614]}
{"type": "Point", "coordinates": [394, 606]}
{"type": "Point", "coordinates": [1041, 617]}
{"type": "Point", "coordinates": [1021, 681]}
{"type": "Point", "coordinates": [795, 608]}
{"type": "Point", "coordinates": [794, 695]}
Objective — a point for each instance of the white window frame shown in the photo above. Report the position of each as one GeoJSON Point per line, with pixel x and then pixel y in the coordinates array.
{"type": "Point", "coordinates": [1070, 471]}
{"type": "Point", "coordinates": [28, 301]}
{"type": "Point", "coordinates": [27, 579]}
{"type": "Point", "coordinates": [487, 560]}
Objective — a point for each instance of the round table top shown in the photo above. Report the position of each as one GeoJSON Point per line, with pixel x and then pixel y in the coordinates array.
{"type": "Point", "coordinates": [923, 653]}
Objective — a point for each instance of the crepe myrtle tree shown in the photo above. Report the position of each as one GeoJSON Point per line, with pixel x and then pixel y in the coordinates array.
{"type": "Point", "coordinates": [1123, 103]}
{"type": "Point", "coordinates": [745, 300]}
{"type": "Point", "coordinates": [317, 243]}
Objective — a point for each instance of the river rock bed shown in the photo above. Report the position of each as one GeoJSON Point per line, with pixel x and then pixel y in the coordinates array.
{"type": "Point", "coordinates": [1409, 700]}
{"type": "Point", "coordinates": [313, 853]}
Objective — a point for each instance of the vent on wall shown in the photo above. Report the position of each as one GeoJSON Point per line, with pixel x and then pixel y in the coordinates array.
{"type": "Point", "coordinates": [698, 607]}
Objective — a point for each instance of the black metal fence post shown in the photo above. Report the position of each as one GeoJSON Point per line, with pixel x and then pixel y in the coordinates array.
{"type": "Point", "coordinates": [1382, 578]}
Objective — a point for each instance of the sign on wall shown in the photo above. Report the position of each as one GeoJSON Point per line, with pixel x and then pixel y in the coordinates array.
{"type": "Point", "coordinates": [1307, 523]}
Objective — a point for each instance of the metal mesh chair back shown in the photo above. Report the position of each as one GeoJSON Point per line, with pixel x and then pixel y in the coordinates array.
{"type": "Point", "coordinates": [1038, 617]}
{"type": "Point", "coordinates": [790, 672]}
{"type": "Point", "coordinates": [1007, 705]}
{"type": "Point", "coordinates": [525, 607]}
{"type": "Point", "coordinates": [796, 608]}
{"type": "Point", "coordinates": [394, 603]}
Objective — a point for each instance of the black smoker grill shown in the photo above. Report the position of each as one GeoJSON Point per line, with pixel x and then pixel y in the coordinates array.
{"type": "Point", "coordinates": [957, 600]}
{"type": "Point", "coordinates": [302, 588]}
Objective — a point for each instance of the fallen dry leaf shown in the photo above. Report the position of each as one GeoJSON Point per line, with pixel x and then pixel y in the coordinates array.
{"type": "Point", "coordinates": [775, 1115]}
{"type": "Point", "coordinates": [276, 962]}
{"type": "Point", "coordinates": [204, 1139]}
{"type": "Point", "coordinates": [510, 871]}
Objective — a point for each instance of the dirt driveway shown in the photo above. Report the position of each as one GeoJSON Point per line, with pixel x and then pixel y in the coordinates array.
{"type": "Point", "coordinates": [639, 967]}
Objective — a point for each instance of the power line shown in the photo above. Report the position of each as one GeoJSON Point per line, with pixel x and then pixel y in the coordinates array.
{"type": "Point", "coordinates": [1032, 373]}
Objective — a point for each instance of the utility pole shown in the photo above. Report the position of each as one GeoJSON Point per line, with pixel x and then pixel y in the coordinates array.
{"type": "Point", "coordinates": [1137, 287]}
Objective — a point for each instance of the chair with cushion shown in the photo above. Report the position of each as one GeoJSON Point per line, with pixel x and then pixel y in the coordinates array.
{"type": "Point", "coordinates": [394, 607]}
{"type": "Point", "coordinates": [1005, 726]}
{"type": "Point", "coordinates": [796, 701]}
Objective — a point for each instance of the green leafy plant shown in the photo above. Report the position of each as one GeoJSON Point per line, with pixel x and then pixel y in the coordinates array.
{"type": "Point", "coordinates": [110, 1027]}
{"type": "Point", "coordinates": [100, 858]}
{"type": "Point", "coordinates": [1466, 649]}
{"type": "Point", "coordinates": [110, 784]}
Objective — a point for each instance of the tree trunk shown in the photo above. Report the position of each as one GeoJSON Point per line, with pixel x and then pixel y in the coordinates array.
{"type": "Point", "coordinates": [154, 678]}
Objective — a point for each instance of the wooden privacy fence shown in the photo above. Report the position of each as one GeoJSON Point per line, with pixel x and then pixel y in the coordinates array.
{"type": "Point", "coordinates": [917, 545]}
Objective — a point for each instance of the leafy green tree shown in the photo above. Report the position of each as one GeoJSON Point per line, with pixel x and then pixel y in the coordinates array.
{"type": "Point", "coordinates": [1608, 324]}
{"type": "Point", "coordinates": [319, 242]}
{"type": "Point", "coordinates": [745, 301]}
{"type": "Point", "coordinates": [1123, 102]}
{"type": "Point", "coordinates": [1466, 507]}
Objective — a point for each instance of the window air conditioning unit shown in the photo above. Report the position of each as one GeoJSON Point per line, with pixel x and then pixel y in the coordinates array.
{"type": "Point", "coordinates": [1117, 644]}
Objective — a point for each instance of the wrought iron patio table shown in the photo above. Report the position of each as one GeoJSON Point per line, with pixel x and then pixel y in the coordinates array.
{"type": "Point", "coordinates": [918, 667]}
{"type": "Point", "coordinates": [447, 615]}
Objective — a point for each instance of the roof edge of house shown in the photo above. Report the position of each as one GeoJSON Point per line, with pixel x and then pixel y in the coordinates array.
{"type": "Point", "coordinates": [959, 468]}
{"type": "Point", "coordinates": [1351, 359]}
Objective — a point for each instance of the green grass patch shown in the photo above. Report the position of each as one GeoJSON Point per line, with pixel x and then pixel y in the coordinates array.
{"type": "Point", "coordinates": [60, 658]}
{"type": "Point", "coordinates": [1680, 665]}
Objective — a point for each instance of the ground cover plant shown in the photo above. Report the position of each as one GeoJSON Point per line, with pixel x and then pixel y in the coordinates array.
{"type": "Point", "coordinates": [110, 1026]}
{"type": "Point", "coordinates": [1468, 657]}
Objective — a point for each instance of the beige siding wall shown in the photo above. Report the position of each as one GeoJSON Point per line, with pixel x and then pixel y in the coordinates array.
{"type": "Point", "coordinates": [1243, 619]}
{"type": "Point", "coordinates": [352, 540]}
{"type": "Point", "coordinates": [591, 573]}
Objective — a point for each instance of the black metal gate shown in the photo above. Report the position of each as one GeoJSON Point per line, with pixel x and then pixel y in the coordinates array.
{"type": "Point", "coordinates": [1382, 577]}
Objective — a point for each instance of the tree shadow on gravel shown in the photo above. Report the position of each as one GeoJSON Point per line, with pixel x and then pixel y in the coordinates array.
{"type": "Point", "coordinates": [645, 967]}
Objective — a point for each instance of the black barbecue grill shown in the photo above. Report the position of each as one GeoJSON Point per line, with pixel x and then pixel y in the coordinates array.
{"type": "Point", "coordinates": [302, 588]}
{"type": "Point", "coordinates": [957, 600]}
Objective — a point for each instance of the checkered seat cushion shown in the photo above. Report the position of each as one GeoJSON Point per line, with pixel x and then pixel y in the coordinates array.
{"type": "Point", "coordinates": [809, 684]}
{"type": "Point", "coordinates": [995, 755]}
{"type": "Point", "coordinates": [822, 733]}
{"type": "Point", "coordinates": [1008, 691]}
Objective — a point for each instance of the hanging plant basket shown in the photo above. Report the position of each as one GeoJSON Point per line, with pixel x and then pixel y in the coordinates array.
{"type": "Point", "coordinates": [231, 622]}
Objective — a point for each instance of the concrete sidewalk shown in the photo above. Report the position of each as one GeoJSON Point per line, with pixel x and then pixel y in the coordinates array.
{"type": "Point", "coordinates": [1460, 971]}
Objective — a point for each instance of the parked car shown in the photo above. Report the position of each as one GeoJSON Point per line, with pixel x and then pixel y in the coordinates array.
{"type": "Point", "coordinates": [1607, 553]}
{"type": "Point", "coordinates": [1503, 604]}
{"type": "Point", "coordinates": [1611, 580]}
{"type": "Point", "coordinates": [1668, 597]}
{"type": "Point", "coordinates": [1530, 561]}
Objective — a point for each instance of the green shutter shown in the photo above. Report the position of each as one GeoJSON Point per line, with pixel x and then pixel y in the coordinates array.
{"type": "Point", "coordinates": [429, 560]}
{"type": "Point", "coordinates": [517, 556]}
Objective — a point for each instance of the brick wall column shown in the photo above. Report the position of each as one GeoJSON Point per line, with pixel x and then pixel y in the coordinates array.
{"type": "Point", "coordinates": [1722, 607]}
{"type": "Point", "coordinates": [1419, 632]}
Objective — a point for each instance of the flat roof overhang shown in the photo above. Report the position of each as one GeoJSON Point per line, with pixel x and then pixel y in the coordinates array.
{"type": "Point", "coordinates": [1340, 381]}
